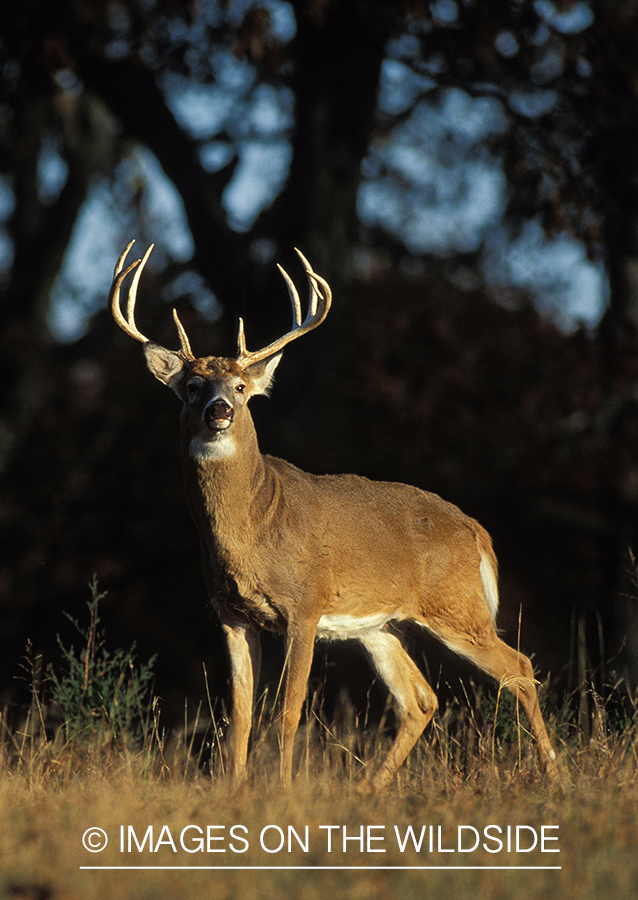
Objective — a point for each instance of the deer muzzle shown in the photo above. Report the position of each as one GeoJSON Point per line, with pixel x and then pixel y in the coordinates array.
{"type": "Point", "coordinates": [219, 415]}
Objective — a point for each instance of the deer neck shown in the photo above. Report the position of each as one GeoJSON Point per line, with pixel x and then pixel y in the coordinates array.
{"type": "Point", "coordinates": [226, 490]}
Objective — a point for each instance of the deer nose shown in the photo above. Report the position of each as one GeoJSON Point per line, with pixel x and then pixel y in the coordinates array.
{"type": "Point", "coordinates": [219, 414]}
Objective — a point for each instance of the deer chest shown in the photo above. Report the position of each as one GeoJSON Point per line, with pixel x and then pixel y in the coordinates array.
{"type": "Point", "coordinates": [241, 599]}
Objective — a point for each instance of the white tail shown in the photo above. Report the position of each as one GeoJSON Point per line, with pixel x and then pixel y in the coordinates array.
{"type": "Point", "coordinates": [330, 557]}
{"type": "Point", "coordinates": [487, 571]}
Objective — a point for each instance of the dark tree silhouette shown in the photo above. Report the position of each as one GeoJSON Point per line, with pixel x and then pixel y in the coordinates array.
{"type": "Point", "coordinates": [413, 376]}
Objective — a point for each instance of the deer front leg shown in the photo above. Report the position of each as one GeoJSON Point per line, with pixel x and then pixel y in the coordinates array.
{"type": "Point", "coordinates": [300, 640]}
{"type": "Point", "coordinates": [245, 656]}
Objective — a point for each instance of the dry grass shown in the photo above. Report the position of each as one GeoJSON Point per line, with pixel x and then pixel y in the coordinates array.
{"type": "Point", "coordinates": [465, 779]}
{"type": "Point", "coordinates": [51, 792]}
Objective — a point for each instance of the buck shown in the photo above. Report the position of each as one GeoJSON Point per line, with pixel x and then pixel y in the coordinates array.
{"type": "Point", "coordinates": [328, 557]}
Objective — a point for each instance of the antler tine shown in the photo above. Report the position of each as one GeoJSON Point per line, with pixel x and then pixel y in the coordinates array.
{"type": "Point", "coordinates": [186, 351]}
{"type": "Point", "coordinates": [318, 306]}
{"type": "Point", "coordinates": [295, 302]}
{"type": "Point", "coordinates": [132, 294]}
{"type": "Point", "coordinates": [313, 281]}
{"type": "Point", "coordinates": [241, 340]}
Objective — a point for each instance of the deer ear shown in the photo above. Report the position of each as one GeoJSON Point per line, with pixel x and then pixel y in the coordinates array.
{"type": "Point", "coordinates": [261, 374]}
{"type": "Point", "coordinates": [167, 366]}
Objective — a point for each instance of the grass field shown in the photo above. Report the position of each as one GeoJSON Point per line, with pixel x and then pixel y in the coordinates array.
{"type": "Point", "coordinates": [199, 823]}
{"type": "Point", "coordinates": [469, 816]}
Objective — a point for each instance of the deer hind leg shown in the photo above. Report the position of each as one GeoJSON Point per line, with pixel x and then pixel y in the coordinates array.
{"type": "Point", "coordinates": [511, 669]}
{"type": "Point", "coordinates": [244, 650]}
{"type": "Point", "coordinates": [415, 701]}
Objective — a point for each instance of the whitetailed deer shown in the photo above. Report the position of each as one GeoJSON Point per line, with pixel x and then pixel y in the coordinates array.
{"type": "Point", "coordinates": [332, 557]}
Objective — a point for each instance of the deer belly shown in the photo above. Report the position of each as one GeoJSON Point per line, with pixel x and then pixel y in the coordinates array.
{"type": "Point", "coordinates": [342, 627]}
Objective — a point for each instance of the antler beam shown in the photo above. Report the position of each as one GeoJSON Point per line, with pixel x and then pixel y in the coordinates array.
{"type": "Point", "coordinates": [128, 324]}
{"type": "Point", "coordinates": [318, 306]}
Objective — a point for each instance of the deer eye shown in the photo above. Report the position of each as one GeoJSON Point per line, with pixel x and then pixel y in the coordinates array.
{"type": "Point", "coordinates": [193, 389]}
{"type": "Point", "coordinates": [240, 388]}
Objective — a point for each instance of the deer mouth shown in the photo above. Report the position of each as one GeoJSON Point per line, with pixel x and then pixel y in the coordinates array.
{"type": "Point", "coordinates": [219, 415]}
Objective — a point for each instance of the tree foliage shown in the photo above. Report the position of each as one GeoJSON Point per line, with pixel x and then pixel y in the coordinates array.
{"type": "Point", "coordinates": [372, 135]}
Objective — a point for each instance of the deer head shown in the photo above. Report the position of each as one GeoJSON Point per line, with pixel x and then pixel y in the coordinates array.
{"type": "Point", "coordinates": [215, 390]}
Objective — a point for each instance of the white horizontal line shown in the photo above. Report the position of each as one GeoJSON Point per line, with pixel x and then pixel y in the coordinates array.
{"type": "Point", "coordinates": [316, 868]}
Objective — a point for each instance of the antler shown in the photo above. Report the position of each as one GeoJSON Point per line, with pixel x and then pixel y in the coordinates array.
{"type": "Point", "coordinates": [318, 306]}
{"type": "Point", "coordinates": [128, 324]}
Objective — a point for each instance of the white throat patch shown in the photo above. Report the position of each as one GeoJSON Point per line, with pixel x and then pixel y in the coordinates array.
{"type": "Point", "coordinates": [220, 446]}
